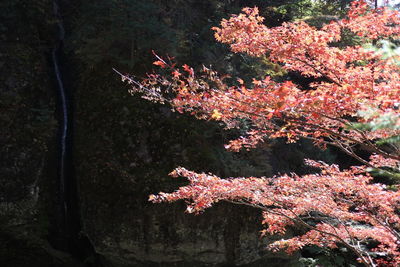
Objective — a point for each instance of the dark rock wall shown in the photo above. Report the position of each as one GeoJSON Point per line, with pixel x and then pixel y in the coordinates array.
{"type": "Point", "coordinates": [27, 106]}
{"type": "Point", "coordinates": [28, 130]}
{"type": "Point", "coordinates": [124, 147]}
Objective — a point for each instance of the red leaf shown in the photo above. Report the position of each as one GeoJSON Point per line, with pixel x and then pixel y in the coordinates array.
{"type": "Point", "coordinates": [188, 69]}
{"type": "Point", "coordinates": [160, 63]}
{"type": "Point", "coordinates": [176, 74]}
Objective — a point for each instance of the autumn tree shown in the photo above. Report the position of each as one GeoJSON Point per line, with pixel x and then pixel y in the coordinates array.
{"type": "Point", "coordinates": [333, 207]}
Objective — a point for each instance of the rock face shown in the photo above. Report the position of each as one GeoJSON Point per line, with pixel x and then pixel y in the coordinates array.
{"type": "Point", "coordinates": [164, 236]}
{"type": "Point", "coordinates": [28, 135]}
{"type": "Point", "coordinates": [27, 106]}
{"type": "Point", "coordinates": [123, 150]}
{"type": "Point", "coordinates": [20, 248]}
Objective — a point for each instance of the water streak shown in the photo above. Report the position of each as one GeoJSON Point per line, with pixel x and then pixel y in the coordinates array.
{"type": "Point", "coordinates": [69, 235]}
{"type": "Point", "coordinates": [64, 105]}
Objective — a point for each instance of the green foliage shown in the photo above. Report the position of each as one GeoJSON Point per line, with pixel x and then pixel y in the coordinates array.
{"type": "Point", "coordinates": [388, 49]}
{"type": "Point", "coordinates": [326, 258]}
{"type": "Point", "coordinates": [311, 9]}
{"type": "Point", "coordinates": [386, 175]}
{"type": "Point", "coordinates": [377, 121]}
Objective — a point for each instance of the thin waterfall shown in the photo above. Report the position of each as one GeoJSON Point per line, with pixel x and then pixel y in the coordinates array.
{"type": "Point", "coordinates": [62, 205]}
{"type": "Point", "coordinates": [69, 236]}
{"type": "Point", "coordinates": [64, 110]}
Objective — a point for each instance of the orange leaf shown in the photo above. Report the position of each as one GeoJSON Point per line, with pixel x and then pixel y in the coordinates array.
{"type": "Point", "coordinates": [188, 69]}
{"type": "Point", "coordinates": [160, 63]}
{"type": "Point", "coordinates": [176, 74]}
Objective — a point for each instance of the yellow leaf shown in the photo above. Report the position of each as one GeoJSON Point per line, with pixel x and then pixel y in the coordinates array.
{"type": "Point", "coordinates": [216, 115]}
